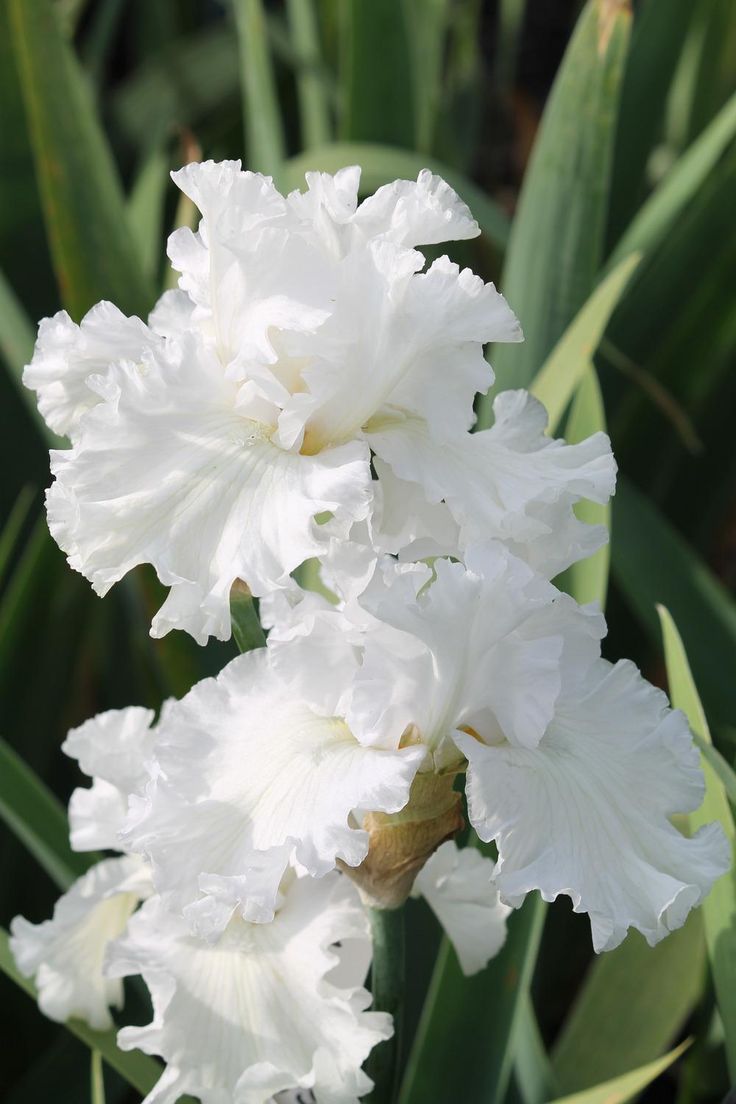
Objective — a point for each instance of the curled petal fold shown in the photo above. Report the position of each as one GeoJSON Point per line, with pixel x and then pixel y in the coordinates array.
{"type": "Point", "coordinates": [457, 885]}
{"type": "Point", "coordinates": [167, 473]}
{"type": "Point", "coordinates": [586, 812]}
{"type": "Point", "coordinates": [67, 355]}
{"type": "Point", "coordinates": [112, 748]}
{"type": "Point", "coordinates": [510, 482]}
{"type": "Point", "coordinates": [65, 954]}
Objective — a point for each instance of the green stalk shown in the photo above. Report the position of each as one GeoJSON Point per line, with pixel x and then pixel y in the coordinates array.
{"type": "Point", "coordinates": [387, 986]}
{"type": "Point", "coordinates": [246, 623]}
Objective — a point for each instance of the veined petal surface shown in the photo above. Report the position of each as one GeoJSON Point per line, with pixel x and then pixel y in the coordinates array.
{"type": "Point", "coordinates": [247, 774]}
{"type": "Point", "coordinates": [586, 812]}
{"type": "Point", "coordinates": [254, 1013]}
{"type": "Point", "coordinates": [65, 954]}
{"type": "Point", "coordinates": [167, 472]}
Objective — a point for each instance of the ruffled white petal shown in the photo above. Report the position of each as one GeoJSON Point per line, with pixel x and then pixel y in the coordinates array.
{"type": "Point", "coordinates": [480, 647]}
{"type": "Point", "coordinates": [254, 1013]}
{"type": "Point", "coordinates": [112, 748]}
{"type": "Point", "coordinates": [397, 338]}
{"type": "Point", "coordinates": [586, 813]}
{"type": "Point", "coordinates": [67, 354]}
{"type": "Point", "coordinates": [510, 482]}
{"type": "Point", "coordinates": [457, 885]}
{"type": "Point", "coordinates": [65, 954]}
{"type": "Point", "coordinates": [422, 212]}
{"type": "Point", "coordinates": [405, 524]}
{"type": "Point", "coordinates": [247, 774]}
{"type": "Point", "coordinates": [168, 473]}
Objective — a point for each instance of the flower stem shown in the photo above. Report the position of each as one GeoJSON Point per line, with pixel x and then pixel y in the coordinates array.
{"type": "Point", "coordinates": [387, 987]}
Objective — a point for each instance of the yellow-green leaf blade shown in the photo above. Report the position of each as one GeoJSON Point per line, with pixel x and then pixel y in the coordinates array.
{"type": "Point", "coordinates": [679, 186]}
{"type": "Point", "coordinates": [719, 908]}
{"type": "Point", "coordinates": [587, 579]}
{"type": "Point", "coordinates": [563, 370]}
{"type": "Point", "coordinates": [632, 1004]}
{"type": "Point", "coordinates": [626, 1087]}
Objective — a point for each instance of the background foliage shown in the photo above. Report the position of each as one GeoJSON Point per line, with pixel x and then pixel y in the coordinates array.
{"type": "Point", "coordinates": [597, 150]}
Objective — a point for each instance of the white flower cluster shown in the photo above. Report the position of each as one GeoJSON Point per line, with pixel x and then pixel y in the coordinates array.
{"type": "Point", "coordinates": [308, 392]}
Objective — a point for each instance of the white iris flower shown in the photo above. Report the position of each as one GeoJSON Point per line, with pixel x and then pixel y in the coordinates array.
{"type": "Point", "coordinates": [356, 719]}
{"type": "Point", "coordinates": [305, 336]}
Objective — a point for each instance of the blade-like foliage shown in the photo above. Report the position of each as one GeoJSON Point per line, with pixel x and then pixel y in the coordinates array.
{"type": "Point", "coordinates": [652, 563]}
{"type": "Point", "coordinates": [628, 1085]}
{"type": "Point", "coordinates": [632, 1003]}
{"type": "Point", "coordinates": [94, 253]}
{"type": "Point", "coordinates": [719, 908]}
{"type": "Point", "coordinates": [556, 244]}
{"type": "Point", "coordinates": [264, 138]}
{"type": "Point", "coordinates": [566, 365]}
{"type": "Point", "coordinates": [137, 1068]}
{"type": "Point", "coordinates": [34, 815]}
{"type": "Point", "coordinates": [484, 1011]}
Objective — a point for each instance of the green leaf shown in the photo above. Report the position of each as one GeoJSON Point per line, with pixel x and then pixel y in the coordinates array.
{"type": "Point", "coordinates": [17, 334]}
{"type": "Point", "coordinates": [96, 1077]}
{"type": "Point", "coordinates": [532, 1068]}
{"type": "Point", "coordinates": [588, 579]}
{"type": "Point", "coordinates": [264, 138]}
{"type": "Point", "coordinates": [632, 1004]}
{"type": "Point", "coordinates": [311, 84]}
{"type": "Point", "coordinates": [138, 1069]}
{"type": "Point", "coordinates": [484, 1011]}
{"type": "Point", "coordinates": [13, 526]}
{"type": "Point", "coordinates": [556, 245]}
{"type": "Point", "coordinates": [652, 563]}
{"type": "Point", "coordinates": [719, 908]}
{"type": "Point", "coordinates": [427, 22]}
{"type": "Point", "coordinates": [681, 184]}
{"type": "Point", "coordinates": [246, 624]}
{"type": "Point", "coordinates": [376, 74]}
{"type": "Point", "coordinates": [566, 365]}
{"type": "Point", "coordinates": [93, 251]}
{"type": "Point", "coordinates": [657, 38]}
{"type": "Point", "coordinates": [34, 815]}
{"type": "Point", "coordinates": [724, 770]}
{"type": "Point", "coordinates": [382, 164]}
{"type": "Point", "coordinates": [626, 1087]}
{"type": "Point", "coordinates": [146, 209]}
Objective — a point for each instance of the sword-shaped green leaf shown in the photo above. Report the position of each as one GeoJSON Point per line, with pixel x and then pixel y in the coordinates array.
{"type": "Point", "coordinates": [632, 1004]}
{"type": "Point", "coordinates": [652, 562]}
{"type": "Point", "coordinates": [556, 245]}
{"type": "Point", "coordinates": [138, 1069]}
{"type": "Point", "coordinates": [566, 365]}
{"type": "Point", "coordinates": [719, 908]}
{"type": "Point", "coordinates": [264, 136]}
{"type": "Point", "coordinates": [93, 250]}
{"type": "Point", "coordinates": [628, 1085]}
